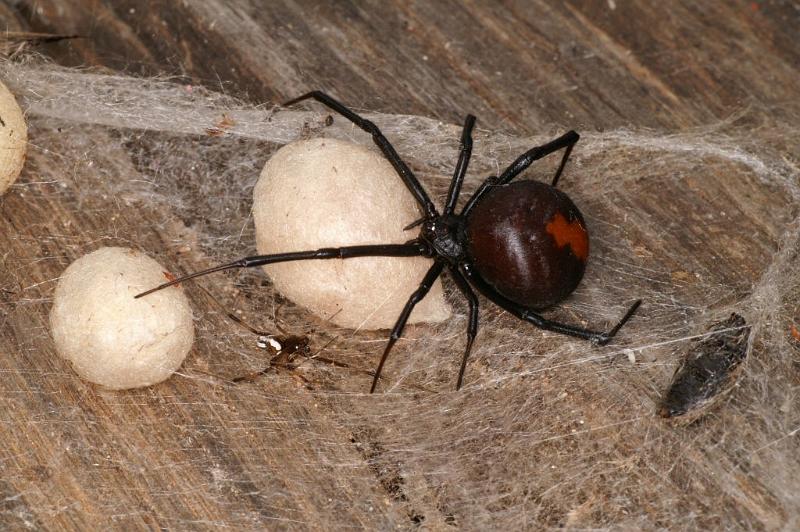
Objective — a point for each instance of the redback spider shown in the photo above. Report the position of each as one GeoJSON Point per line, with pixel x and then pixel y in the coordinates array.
{"type": "Point", "coordinates": [523, 245]}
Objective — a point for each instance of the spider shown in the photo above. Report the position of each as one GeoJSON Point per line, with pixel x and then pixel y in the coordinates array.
{"type": "Point", "coordinates": [523, 245]}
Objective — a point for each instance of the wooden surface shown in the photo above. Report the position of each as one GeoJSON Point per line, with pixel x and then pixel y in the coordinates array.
{"type": "Point", "coordinates": [190, 454]}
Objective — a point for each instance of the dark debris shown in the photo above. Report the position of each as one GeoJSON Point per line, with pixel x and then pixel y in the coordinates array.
{"type": "Point", "coordinates": [709, 367]}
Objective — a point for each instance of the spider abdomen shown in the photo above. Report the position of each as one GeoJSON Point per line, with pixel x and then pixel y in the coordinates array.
{"type": "Point", "coordinates": [528, 240]}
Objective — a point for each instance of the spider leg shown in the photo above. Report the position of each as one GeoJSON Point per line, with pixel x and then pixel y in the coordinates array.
{"type": "Point", "coordinates": [472, 327]}
{"type": "Point", "coordinates": [566, 141]}
{"type": "Point", "coordinates": [381, 141]}
{"type": "Point", "coordinates": [410, 249]}
{"type": "Point", "coordinates": [526, 314]}
{"type": "Point", "coordinates": [461, 167]}
{"type": "Point", "coordinates": [416, 297]}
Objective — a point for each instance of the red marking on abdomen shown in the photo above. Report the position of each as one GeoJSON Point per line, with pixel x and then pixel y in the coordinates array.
{"type": "Point", "coordinates": [572, 233]}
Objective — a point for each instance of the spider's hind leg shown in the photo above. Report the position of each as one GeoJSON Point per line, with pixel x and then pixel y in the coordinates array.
{"type": "Point", "coordinates": [566, 142]}
{"type": "Point", "coordinates": [534, 318]}
{"type": "Point", "coordinates": [564, 159]}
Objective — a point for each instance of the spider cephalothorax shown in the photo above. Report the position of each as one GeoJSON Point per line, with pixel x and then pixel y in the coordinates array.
{"type": "Point", "coordinates": [523, 245]}
{"type": "Point", "coordinates": [446, 237]}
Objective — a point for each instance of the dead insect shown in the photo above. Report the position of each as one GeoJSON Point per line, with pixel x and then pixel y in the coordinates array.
{"type": "Point", "coordinates": [285, 348]}
{"type": "Point", "coordinates": [709, 367]}
{"type": "Point", "coordinates": [221, 127]}
{"type": "Point", "coordinates": [282, 359]}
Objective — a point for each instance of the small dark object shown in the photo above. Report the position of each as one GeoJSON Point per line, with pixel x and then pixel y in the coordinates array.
{"type": "Point", "coordinates": [284, 356]}
{"type": "Point", "coordinates": [284, 348]}
{"type": "Point", "coordinates": [523, 245]}
{"type": "Point", "coordinates": [708, 368]}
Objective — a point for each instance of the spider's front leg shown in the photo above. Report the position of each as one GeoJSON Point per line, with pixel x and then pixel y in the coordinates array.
{"type": "Point", "coordinates": [410, 249]}
{"type": "Point", "coordinates": [382, 142]}
{"type": "Point", "coordinates": [464, 155]}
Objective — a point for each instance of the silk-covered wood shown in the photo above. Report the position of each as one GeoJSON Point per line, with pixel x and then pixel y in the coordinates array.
{"type": "Point", "coordinates": [200, 455]}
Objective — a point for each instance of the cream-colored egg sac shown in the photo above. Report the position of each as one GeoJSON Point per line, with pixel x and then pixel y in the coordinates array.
{"type": "Point", "coordinates": [111, 338]}
{"type": "Point", "coordinates": [13, 139]}
{"type": "Point", "coordinates": [330, 193]}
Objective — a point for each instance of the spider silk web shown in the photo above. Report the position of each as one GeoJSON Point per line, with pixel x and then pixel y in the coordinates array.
{"type": "Point", "coordinates": [547, 431]}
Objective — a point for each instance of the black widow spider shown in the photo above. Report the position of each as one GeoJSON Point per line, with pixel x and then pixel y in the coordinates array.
{"type": "Point", "coordinates": [523, 245]}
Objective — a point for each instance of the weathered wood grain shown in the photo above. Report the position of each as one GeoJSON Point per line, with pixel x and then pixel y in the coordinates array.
{"type": "Point", "coordinates": [200, 453]}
